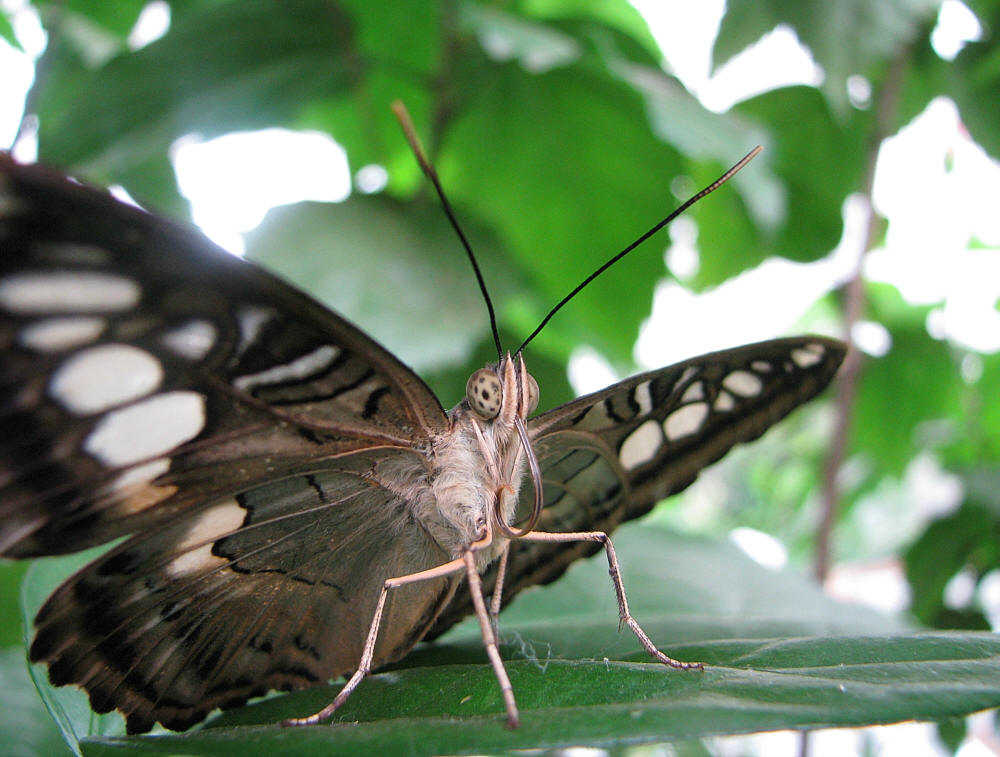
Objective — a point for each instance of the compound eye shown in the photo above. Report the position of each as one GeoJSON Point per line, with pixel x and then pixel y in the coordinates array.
{"type": "Point", "coordinates": [532, 394]}
{"type": "Point", "coordinates": [484, 392]}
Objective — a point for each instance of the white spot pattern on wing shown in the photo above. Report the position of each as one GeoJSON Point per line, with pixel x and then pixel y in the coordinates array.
{"type": "Point", "coordinates": [300, 368]}
{"type": "Point", "coordinates": [743, 383]}
{"type": "Point", "coordinates": [61, 333]}
{"type": "Point", "coordinates": [685, 421]}
{"type": "Point", "coordinates": [147, 429]}
{"type": "Point", "coordinates": [808, 356]}
{"type": "Point", "coordinates": [43, 292]}
{"type": "Point", "coordinates": [192, 341]}
{"type": "Point", "coordinates": [103, 377]}
{"type": "Point", "coordinates": [195, 548]}
{"type": "Point", "coordinates": [641, 445]}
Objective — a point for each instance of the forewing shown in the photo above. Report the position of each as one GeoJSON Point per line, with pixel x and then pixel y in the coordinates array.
{"type": "Point", "coordinates": [274, 588]}
{"type": "Point", "coordinates": [145, 372]}
{"type": "Point", "coordinates": [610, 456]}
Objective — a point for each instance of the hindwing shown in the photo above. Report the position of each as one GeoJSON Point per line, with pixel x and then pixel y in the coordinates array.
{"type": "Point", "coordinates": [273, 588]}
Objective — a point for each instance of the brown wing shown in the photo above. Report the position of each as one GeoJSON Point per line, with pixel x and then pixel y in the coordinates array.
{"type": "Point", "coordinates": [145, 372]}
{"type": "Point", "coordinates": [273, 588]}
{"type": "Point", "coordinates": [610, 456]}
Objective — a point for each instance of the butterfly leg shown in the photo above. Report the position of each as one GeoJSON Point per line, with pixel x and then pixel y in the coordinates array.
{"type": "Point", "coordinates": [497, 599]}
{"type": "Point", "coordinates": [488, 631]}
{"type": "Point", "coordinates": [624, 614]}
{"type": "Point", "coordinates": [368, 652]}
{"type": "Point", "coordinates": [466, 562]}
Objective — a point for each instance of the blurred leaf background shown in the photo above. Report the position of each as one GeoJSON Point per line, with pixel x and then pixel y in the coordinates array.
{"type": "Point", "coordinates": [561, 131]}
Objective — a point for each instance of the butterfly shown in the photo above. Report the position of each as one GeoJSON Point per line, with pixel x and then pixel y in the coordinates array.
{"type": "Point", "coordinates": [292, 503]}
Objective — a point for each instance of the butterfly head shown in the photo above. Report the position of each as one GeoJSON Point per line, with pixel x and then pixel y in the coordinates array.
{"type": "Point", "coordinates": [502, 390]}
{"type": "Point", "coordinates": [499, 399]}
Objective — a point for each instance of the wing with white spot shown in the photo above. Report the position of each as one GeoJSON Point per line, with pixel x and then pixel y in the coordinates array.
{"type": "Point", "coordinates": [665, 426]}
{"type": "Point", "coordinates": [610, 456]}
{"type": "Point", "coordinates": [274, 588]}
{"type": "Point", "coordinates": [144, 371]}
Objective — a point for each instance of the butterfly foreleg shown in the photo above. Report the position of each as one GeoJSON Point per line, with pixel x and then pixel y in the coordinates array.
{"type": "Point", "coordinates": [624, 615]}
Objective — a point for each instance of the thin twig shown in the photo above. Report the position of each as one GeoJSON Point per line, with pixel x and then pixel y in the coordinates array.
{"type": "Point", "coordinates": [854, 307]}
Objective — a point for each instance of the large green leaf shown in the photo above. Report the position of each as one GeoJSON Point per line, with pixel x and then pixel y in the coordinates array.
{"type": "Point", "coordinates": [399, 45]}
{"type": "Point", "coordinates": [114, 18]}
{"type": "Point", "coordinates": [230, 66]}
{"type": "Point", "coordinates": [616, 14]}
{"type": "Point", "coordinates": [905, 391]}
{"type": "Point", "coordinates": [778, 653]}
{"type": "Point", "coordinates": [388, 265]}
{"type": "Point", "coordinates": [749, 686]}
{"type": "Point", "coordinates": [548, 196]}
{"type": "Point", "coordinates": [11, 575]}
{"type": "Point", "coordinates": [26, 726]}
{"type": "Point", "coordinates": [7, 33]}
{"type": "Point", "coordinates": [965, 539]}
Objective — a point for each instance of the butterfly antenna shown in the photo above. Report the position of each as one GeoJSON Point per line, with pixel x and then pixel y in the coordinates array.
{"type": "Point", "coordinates": [411, 136]}
{"type": "Point", "coordinates": [691, 201]}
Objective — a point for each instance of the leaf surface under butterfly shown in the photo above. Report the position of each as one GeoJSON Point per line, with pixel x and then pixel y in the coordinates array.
{"type": "Point", "coordinates": [772, 669]}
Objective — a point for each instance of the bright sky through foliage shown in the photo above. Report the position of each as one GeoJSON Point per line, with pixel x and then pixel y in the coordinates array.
{"type": "Point", "coordinates": [233, 180]}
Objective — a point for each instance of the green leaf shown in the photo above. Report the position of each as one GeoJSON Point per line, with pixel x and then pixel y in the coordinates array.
{"type": "Point", "coordinates": [966, 540]}
{"type": "Point", "coordinates": [696, 578]}
{"type": "Point", "coordinates": [952, 733]}
{"type": "Point", "coordinates": [845, 38]}
{"type": "Point", "coordinates": [614, 14]}
{"type": "Point", "coordinates": [588, 142]}
{"type": "Point", "coordinates": [388, 265]}
{"type": "Point", "coordinates": [7, 32]}
{"type": "Point", "coordinates": [779, 655]}
{"type": "Point", "coordinates": [748, 686]}
{"type": "Point", "coordinates": [11, 575]}
{"type": "Point", "coordinates": [679, 119]}
{"type": "Point", "coordinates": [26, 726]}
{"type": "Point", "coordinates": [917, 369]}
{"type": "Point", "coordinates": [118, 18]}
{"type": "Point", "coordinates": [972, 80]}
{"type": "Point", "coordinates": [948, 545]}
{"type": "Point", "coordinates": [537, 46]}
{"type": "Point", "coordinates": [399, 48]}
{"type": "Point", "coordinates": [979, 443]}
{"type": "Point", "coordinates": [820, 162]}
{"type": "Point", "coordinates": [275, 57]}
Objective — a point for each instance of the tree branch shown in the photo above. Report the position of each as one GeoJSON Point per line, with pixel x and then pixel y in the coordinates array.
{"type": "Point", "coordinates": [887, 107]}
